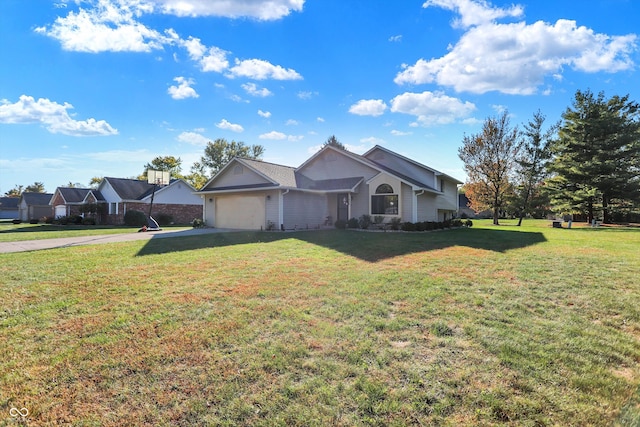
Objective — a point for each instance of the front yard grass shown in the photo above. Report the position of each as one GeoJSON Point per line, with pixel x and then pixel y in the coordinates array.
{"type": "Point", "coordinates": [10, 232]}
{"type": "Point", "coordinates": [484, 326]}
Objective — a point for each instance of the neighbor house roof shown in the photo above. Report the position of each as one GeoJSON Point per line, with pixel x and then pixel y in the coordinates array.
{"type": "Point", "coordinates": [72, 195]}
{"type": "Point", "coordinates": [36, 199]}
{"type": "Point", "coordinates": [130, 189]}
{"type": "Point", "coordinates": [9, 203]}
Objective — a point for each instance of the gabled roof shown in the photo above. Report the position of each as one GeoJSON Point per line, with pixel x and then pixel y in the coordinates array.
{"type": "Point", "coordinates": [36, 199]}
{"type": "Point", "coordinates": [9, 203]}
{"type": "Point", "coordinates": [338, 184]}
{"type": "Point", "coordinates": [130, 189]}
{"type": "Point", "coordinates": [283, 175]}
{"type": "Point", "coordinates": [280, 176]}
{"type": "Point", "coordinates": [406, 159]}
{"type": "Point", "coordinates": [72, 195]}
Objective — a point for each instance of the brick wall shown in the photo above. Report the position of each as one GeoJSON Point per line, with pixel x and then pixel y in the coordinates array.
{"type": "Point", "coordinates": [182, 214]}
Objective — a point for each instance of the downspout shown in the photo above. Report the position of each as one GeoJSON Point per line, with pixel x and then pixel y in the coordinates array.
{"type": "Point", "coordinates": [281, 208]}
{"type": "Point", "coordinates": [415, 205]}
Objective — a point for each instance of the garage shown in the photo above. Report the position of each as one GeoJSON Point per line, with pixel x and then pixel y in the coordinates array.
{"type": "Point", "coordinates": [60, 211]}
{"type": "Point", "coordinates": [243, 212]}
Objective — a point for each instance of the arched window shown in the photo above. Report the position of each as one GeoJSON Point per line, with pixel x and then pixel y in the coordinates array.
{"type": "Point", "coordinates": [384, 202]}
{"type": "Point", "coordinates": [384, 189]}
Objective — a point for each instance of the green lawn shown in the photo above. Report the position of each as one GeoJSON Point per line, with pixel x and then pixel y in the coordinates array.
{"type": "Point", "coordinates": [10, 232]}
{"type": "Point", "coordinates": [484, 326]}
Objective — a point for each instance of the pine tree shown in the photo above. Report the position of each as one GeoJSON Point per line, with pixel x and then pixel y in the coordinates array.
{"type": "Point", "coordinates": [597, 155]}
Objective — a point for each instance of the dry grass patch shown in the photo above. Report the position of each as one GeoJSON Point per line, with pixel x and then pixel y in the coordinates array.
{"type": "Point", "coordinates": [487, 326]}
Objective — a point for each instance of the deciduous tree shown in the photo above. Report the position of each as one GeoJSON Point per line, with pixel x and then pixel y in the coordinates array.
{"type": "Point", "coordinates": [219, 152]}
{"type": "Point", "coordinates": [489, 158]}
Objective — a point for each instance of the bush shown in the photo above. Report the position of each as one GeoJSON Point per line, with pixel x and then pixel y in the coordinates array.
{"type": "Point", "coordinates": [394, 224]}
{"type": "Point", "coordinates": [456, 222]}
{"type": "Point", "coordinates": [164, 219]}
{"type": "Point", "coordinates": [353, 223]}
{"type": "Point", "coordinates": [34, 221]}
{"type": "Point", "coordinates": [364, 222]}
{"type": "Point", "coordinates": [468, 223]}
{"type": "Point", "coordinates": [135, 218]}
{"type": "Point", "coordinates": [16, 221]}
{"type": "Point", "coordinates": [197, 223]}
{"type": "Point", "coordinates": [340, 224]}
{"type": "Point", "coordinates": [408, 226]}
{"type": "Point", "coordinates": [89, 221]}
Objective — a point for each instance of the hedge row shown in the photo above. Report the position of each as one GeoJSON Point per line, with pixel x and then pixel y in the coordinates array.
{"type": "Point", "coordinates": [364, 223]}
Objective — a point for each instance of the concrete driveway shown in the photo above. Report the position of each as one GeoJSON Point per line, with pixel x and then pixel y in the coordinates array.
{"type": "Point", "coordinates": [37, 245]}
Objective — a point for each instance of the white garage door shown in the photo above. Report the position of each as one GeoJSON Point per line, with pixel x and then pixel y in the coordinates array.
{"type": "Point", "coordinates": [244, 212]}
{"type": "Point", "coordinates": [61, 210]}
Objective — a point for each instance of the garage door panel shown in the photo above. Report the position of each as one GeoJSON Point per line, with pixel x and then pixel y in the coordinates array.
{"type": "Point", "coordinates": [243, 212]}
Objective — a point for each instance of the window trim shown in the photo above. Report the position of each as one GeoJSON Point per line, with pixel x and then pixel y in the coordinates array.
{"type": "Point", "coordinates": [390, 201]}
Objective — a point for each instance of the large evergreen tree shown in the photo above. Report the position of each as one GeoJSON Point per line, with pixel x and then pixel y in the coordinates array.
{"type": "Point", "coordinates": [489, 158]}
{"type": "Point", "coordinates": [597, 155]}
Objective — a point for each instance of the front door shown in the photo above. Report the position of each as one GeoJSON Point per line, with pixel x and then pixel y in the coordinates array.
{"type": "Point", "coordinates": [343, 207]}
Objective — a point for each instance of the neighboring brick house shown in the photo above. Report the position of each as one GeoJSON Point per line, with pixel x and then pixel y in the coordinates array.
{"type": "Point", "coordinates": [176, 199]}
{"type": "Point", "coordinates": [34, 206]}
{"type": "Point", "coordinates": [68, 201]}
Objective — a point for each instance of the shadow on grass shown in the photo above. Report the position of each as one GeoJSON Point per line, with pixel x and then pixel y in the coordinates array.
{"type": "Point", "coordinates": [367, 246]}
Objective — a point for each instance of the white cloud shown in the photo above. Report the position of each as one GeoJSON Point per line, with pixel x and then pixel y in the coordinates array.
{"type": "Point", "coordinates": [397, 38]}
{"type": "Point", "coordinates": [265, 114]}
{"type": "Point", "coordinates": [400, 133]}
{"type": "Point", "coordinates": [211, 59]}
{"type": "Point", "coordinates": [106, 27]}
{"type": "Point", "coordinates": [193, 138]}
{"type": "Point", "coordinates": [273, 135]}
{"type": "Point", "coordinates": [259, 69]}
{"type": "Point", "coordinates": [368, 107]}
{"type": "Point", "coordinates": [118, 156]}
{"type": "Point", "coordinates": [515, 58]}
{"type": "Point", "coordinates": [54, 116]}
{"type": "Point", "coordinates": [475, 12]}
{"type": "Point", "coordinates": [183, 90]}
{"type": "Point", "coordinates": [306, 94]}
{"type": "Point", "coordinates": [372, 140]}
{"type": "Point", "coordinates": [252, 89]}
{"type": "Point", "coordinates": [320, 119]}
{"type": "Point", "coordinates": [431, 108]}
{"type": "Point", "coordinates": [224, 124]}
{"type": "Point", "coordinates": [279, 136]}
{"type": "Point", "coordinates": [258, 9]}
{"type": "Point", "coordinates": [292, 122]}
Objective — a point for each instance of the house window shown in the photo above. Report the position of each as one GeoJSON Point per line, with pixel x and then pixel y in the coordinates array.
{"type": "Point", "coordinates": [113, 208]}
{"type": "Point", "coordinates": [238, 170]}
{"type": "Point", "coordinates": [384, 202]}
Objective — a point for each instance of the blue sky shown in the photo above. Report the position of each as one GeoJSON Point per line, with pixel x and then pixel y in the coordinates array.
{"type": "Point", "coordinates": [101, 87]}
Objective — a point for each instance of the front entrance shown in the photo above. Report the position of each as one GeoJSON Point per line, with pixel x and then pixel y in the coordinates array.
{"type": "Point", "coordinates": [343, 207]}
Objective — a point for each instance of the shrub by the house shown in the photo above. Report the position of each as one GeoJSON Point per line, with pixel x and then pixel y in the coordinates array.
{"type": "Point", "coordinates": [135, 218]}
